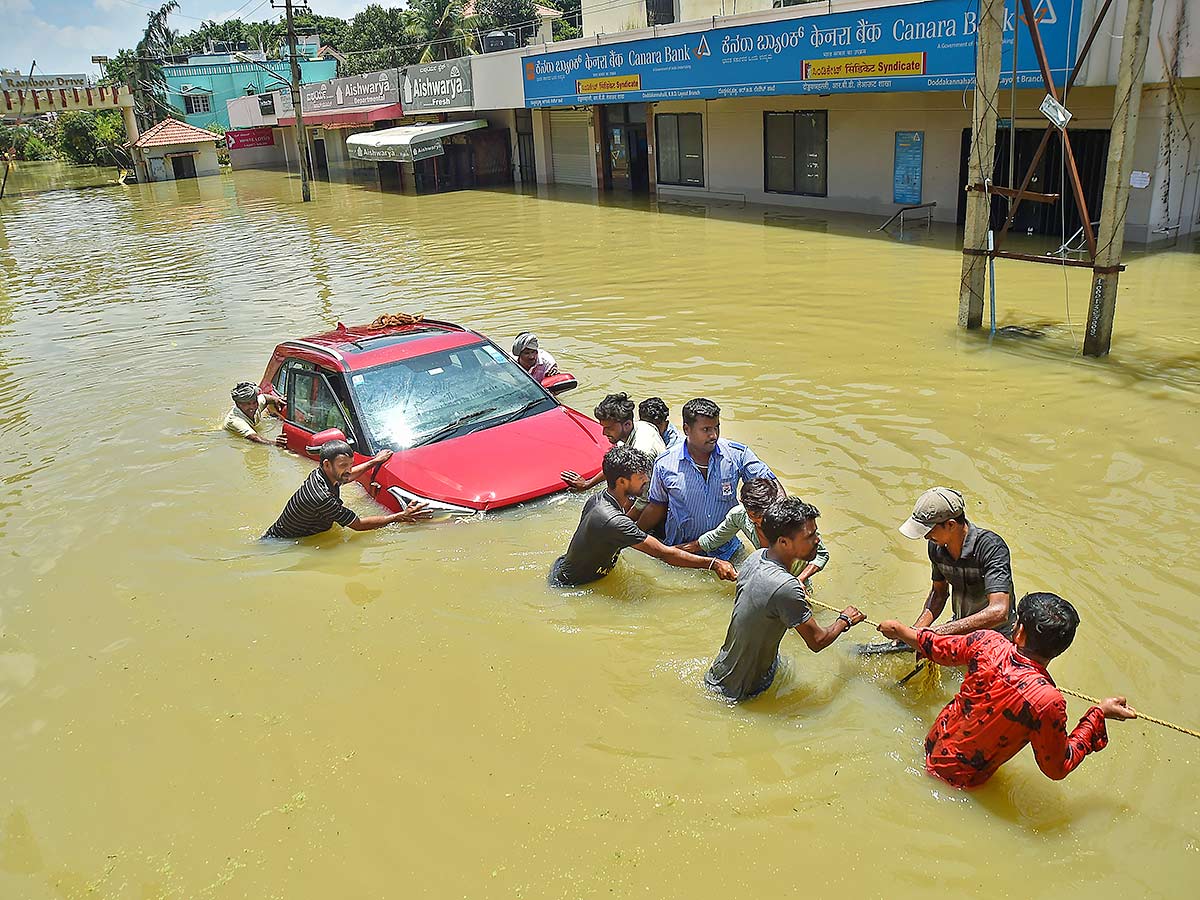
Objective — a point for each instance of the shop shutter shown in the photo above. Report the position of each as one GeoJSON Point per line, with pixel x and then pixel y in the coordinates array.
{"type": "Point", "coordinates": [571, 151]}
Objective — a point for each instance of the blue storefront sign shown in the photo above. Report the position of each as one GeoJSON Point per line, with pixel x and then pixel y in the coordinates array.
{"type": "Point", "coordinates": [908, 166]}
{"type": "Point", "coordinates": [915, 47]}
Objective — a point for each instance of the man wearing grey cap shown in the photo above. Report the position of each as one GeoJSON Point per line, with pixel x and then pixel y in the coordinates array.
{"type": "Point", "coordinates": [248, 406]}
{"type": "Point", "coordinates": [970, 566]}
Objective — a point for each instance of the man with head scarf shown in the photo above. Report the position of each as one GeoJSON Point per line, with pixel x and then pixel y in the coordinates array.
{"type": "Point", "coordinates": [537, 362]}
{"type": "Point", "coordinates": [248, 406]}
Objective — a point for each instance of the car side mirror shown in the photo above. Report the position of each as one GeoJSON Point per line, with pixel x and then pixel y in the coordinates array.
{"type": "Point", "coordinates": [324, 437]}
{"type": "Point", "coordinates": [560, 383]}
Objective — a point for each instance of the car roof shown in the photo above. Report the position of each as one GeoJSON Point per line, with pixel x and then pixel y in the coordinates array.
{"type": "Point", "coordinates": [361, 346]}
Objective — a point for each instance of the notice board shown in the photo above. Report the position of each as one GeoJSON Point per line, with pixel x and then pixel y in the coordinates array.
{"type": "Point", "coordinates": [906, 171]}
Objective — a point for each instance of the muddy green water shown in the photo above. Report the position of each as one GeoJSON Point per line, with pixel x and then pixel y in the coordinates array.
{"type": "Point", "coordinates": [186, 713]}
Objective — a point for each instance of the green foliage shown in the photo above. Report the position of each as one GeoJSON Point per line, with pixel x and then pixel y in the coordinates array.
{"type": "Point", "coordinates": [506, 14]}
{"type": "Point", "coordinates": [25, 141]}
{"type": "Point", "coordinates": [222, 147]}
{"type": "Point", "coordinates": [91, 138]}
{"type": "Point", "coordinates": [570, 26]}
{"type": "Point", "coordinates": [445, 29]}
{"type": "Point", "coordinates": [372, 37]}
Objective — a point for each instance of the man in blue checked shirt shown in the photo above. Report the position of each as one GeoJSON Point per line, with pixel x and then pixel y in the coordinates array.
{"type": "Point", "coordinates": [695, 483]}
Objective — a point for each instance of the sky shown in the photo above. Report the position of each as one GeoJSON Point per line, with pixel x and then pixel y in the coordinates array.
{"type": "Point", "coordinates": [64, 35]}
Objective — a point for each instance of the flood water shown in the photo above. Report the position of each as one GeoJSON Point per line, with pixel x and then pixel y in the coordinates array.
{"type": "Point", "coordinates": [188, 713]}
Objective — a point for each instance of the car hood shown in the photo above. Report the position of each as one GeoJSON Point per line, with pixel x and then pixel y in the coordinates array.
{"type": "Point", "coordinates": [507, 464]}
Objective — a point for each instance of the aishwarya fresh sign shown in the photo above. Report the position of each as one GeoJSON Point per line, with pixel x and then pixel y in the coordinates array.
{"type": "Point", "coordinates": [245, 138]}
{"type": "Point", "coordinates": [438, 86]}
{"type": "Point", "coordinates": [914, 47]}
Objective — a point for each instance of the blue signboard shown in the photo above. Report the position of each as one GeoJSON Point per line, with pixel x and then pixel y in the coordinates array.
{"type": "Point", "coordinates": [915, 47]}
{"type": "Point", "coordinates": [906, 170]}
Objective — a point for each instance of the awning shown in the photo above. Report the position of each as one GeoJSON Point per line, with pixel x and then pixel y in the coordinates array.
{"type": "Point", "coordinates": [407, 143]}
{"type": "Point", "coordinates": [362, 116]}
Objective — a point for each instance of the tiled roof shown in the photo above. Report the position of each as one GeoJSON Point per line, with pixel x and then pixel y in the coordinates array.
{"type": "Point", "coordinates": [172, 131]}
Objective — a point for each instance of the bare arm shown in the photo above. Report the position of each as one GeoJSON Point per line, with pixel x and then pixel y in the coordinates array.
{"type": "Point", "coordinates": [675, 556]}
{"type": "Point", "coordinates": [577, 482]}
{"type": "Point", "coordinates": [381, 457]}
{"type": "Point", "coordinates": [939, 593]}
{"type": "Point", "coordinates": [991, 616]}
{"type": "Point", "coordinates": [412, 513]}
{"type": "Point", "coordinates": [652, 516]}
{"type": "Point", "coordinates": [818, 637]}
{"type": "Point", "coordinates": [257, 438]}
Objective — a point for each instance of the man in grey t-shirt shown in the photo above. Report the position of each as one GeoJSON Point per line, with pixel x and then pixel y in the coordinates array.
{"type": "Point", "coordinates": [970, 566]}
{"type": "Point", "coordinates": [770, 601]}
{"type": "Point", "coordinates": [605, 528]}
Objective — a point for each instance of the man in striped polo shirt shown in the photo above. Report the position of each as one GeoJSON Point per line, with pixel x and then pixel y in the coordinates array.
{"type": "Point", "coordinates": [317, 505]}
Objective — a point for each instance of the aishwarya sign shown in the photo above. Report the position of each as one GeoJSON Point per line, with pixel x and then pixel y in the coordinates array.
{"type": "Point", "coordinates": [356, 92]}
{"type": "Point", "coordinates": [926, 46]}
{"type": "Point", "coordinates": [438, 86]}
{"type": "Point", "coordinates": [245, 138]}
{"type": "Point", "coordinates": [907, 167]}
{"type": "Point", "coordinates": [397, 152]}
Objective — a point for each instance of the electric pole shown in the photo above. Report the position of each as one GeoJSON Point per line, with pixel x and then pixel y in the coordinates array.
{"type": "Point", "coordinates": [1111, 240]}
{"type": "Point", "coordinates": [301, 132]}
{"type": "Point", "coordinates": [982, 160]}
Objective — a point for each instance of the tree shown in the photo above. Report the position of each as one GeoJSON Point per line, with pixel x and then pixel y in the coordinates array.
{"type": "Point", "coordinates": [379, 38]}
{"type": "Point", "coordinates": [25, 143]}
{"type": "Point", "coordinates": [506, 14]}
{"type": "Point", "coordinates": [447, 32]}
{"type": "Point", "coordinates": [150, 85]}
{"type": "Point", "coordinates": [91, 138]}
{"type": "Point", "coordinates": [571, 24]}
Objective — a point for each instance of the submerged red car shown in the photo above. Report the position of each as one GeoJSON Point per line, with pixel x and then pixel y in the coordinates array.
{"type": "Point", "coordinates": [470, 429]}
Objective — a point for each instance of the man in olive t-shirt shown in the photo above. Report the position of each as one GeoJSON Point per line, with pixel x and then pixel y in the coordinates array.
{"type": "Point", "coordinates": [605, 528]}
{"type": "Point", "coordinates": [769, 602]}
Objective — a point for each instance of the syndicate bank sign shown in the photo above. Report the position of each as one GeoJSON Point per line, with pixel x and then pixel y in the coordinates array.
{"type": "Point", "coordinates": [926, 46]}
{"type": "Point", "coordinates": [356, 92]}
{"type": "Point", "coordinates": [438, 86]}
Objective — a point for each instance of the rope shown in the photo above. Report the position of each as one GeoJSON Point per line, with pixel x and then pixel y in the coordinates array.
{"type": "Point", "coordinates": [1091, 700]}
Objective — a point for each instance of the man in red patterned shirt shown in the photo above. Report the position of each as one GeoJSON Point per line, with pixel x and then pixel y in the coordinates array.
{"type": "Point", "coordinates": [1008, 699]}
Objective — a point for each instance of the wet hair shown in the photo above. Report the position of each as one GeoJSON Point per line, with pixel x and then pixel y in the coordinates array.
{"type": "Point", "coordinates": [624, 462]}
{"type": "Point", "coordinates": [1049, 622]}
{"type": "Point", "coordinates": [615, 408]}
{"type": "Point", "coordinates": [331, 450]}
{"type": "Point", "coordinates": [786, 517]}
{"type": "Point", "coordinates": [700, 407]}
{"type": "Point", "coordinates": [758, 494]}
{"type": "Point", "coordinates": [653, 410]}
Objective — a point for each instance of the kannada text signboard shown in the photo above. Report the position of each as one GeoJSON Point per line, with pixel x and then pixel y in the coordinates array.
{"type": "Point", "coordinates": [907, 167]}
{"type": "Point", "coordinates": [439, 86]}
{"type": "Point", "coordinates": [916, 47]}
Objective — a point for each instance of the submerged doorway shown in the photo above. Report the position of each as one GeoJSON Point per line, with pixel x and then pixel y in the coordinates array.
{"type": "Point", "coordinates": [1091, 155]}
{"type": "Point", "coordinates": [184, 166]}
{"type": "Point", "coordinates": [626, 150]}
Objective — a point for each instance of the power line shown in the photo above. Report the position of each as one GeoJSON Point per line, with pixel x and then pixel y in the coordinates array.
{"type": "Point", "coordinates": [156, 9]}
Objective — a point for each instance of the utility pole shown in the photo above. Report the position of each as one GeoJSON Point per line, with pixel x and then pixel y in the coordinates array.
{"type": "Point", "coordinates": [1111, 240]}
{"type": "Point", "coordinates": [301, 132]}
{"type": "Point", "coordinates": [982, 161]}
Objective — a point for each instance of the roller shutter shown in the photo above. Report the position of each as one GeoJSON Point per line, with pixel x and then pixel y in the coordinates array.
{"type": "Point", "coordinates": [571, 151]}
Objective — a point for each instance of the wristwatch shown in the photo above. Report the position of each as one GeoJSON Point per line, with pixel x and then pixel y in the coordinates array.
{"type": "Point", "coordinates": [845, 618]}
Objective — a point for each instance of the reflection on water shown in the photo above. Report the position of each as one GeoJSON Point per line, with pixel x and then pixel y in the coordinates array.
{"type": "Point", "coordinates": [188, 713]}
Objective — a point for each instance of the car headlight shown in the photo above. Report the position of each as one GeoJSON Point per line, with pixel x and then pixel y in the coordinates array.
{"type": "Point", "coordinates": [436, 507]}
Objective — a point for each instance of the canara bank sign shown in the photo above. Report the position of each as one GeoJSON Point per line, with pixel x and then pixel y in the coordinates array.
{"type": "Point", "coordinates": [916, 47]}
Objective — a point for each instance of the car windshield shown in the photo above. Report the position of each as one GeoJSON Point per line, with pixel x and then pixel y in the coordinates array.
{"type": "Point", "coordinates": [443, 395]}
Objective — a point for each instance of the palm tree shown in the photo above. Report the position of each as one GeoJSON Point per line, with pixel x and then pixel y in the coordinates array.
{"type": "Point", "coordinates": [151, 86]}
{"type": "Point", "coordinates": [447, 31]}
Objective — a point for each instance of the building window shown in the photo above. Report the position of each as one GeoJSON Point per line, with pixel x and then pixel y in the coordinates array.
{"type": "Point", "coordinates": [779, 4]}
{"type": "Point", "coordinates": [196, 103]}
{"type": "Point", "coordinates": [796, 145]}
{"type": "Point", "coordinates": [660, 12]}
{"type": "Point", "coordinates": [679, 146]}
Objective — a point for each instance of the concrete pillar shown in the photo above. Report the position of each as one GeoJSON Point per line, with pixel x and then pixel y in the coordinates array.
{"type": "Point", "coordinates": [127, 113]}
{"type": "Point", "coordinates": [1110, 241]}
{"type": "Point", "coordinates": [981, 163]}
{"type": "Point", "coordinates": [542, 147]}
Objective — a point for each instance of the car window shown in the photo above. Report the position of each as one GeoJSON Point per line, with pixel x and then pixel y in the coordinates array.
{"type": "Point", "coordinates": [413, 401]}
{"type": "Point", "coordinates": [289, 365]}
{"type": "Point", "coordinates": [312, 404]}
